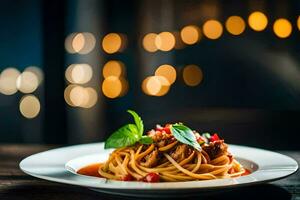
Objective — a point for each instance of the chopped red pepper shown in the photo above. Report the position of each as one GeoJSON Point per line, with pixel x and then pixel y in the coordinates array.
{"type": "Point", "coordinates": [167, 129]}
{"type": "Point", "coordinates": [214, 137]}
{"type": "Point", "coordinates": [128, 177]}
{"type": "Point", "coordinates": [151, 178]}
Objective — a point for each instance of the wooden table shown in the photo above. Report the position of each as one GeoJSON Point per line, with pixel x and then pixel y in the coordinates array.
{"type": "Point", "coordinates": [14, 184]}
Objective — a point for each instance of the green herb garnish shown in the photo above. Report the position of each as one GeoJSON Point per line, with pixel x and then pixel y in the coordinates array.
{"type": "Point", "coordinates": [129, 134]}
{"type": "Point", "coordinates": [185, 135]}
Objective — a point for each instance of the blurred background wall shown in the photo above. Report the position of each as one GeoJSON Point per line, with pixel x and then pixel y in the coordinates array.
{"type": "Point", "coordinates": [70, 69]}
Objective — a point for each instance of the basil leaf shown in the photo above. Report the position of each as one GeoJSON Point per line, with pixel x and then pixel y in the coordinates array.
{"type": "Point", "coordinates": [185, 135]}
{"type": "Point", "coordinates": [125, 136]}
{"type": "Point", "coordinates": [138, 121]}
{"type": "Point", "coordinates": [146, 140]}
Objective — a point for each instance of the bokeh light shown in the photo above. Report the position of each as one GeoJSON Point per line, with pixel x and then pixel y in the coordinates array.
{"type": "Point", "coordinates": [155, 86]}
{"type": "Point", "coordinates": [113, 68]}
{"type": "Point", "coordinates": [190, 34]}
{"type": "Point", "coordinates": [8, 79]}
{"type": "Point", "coordinates": [165, 41]}
{"type": "Point", "coordinates": [165, 85]}
{"type": "Point", "coordinates": [37, 71]}
{"type": "Point", "coordinates": [167, 71]}
{"type": "Point", "coordinates": [79, 73]}
{"type": "Point", "coordinates": [125, 86]}
{"type": "Point", "coordinates": [81, 43]}
{"type": "Point", "coordinates": [30, 106]}
{"type": "Point", "coordinates": [282, 28]}
{"type": "Point", "coordinates": [92, 98]}
{"type": "Point", "coordinates": [113, 43]}
{"type": "Point", "coordinates": [151, 85]}
{"type": "Point", "coordinates": [78, 96]}
{"type": "Point", "coordinates": [78, 42]}
{"type": "Point", "coordinates": [298, 22]}
{"type": "Point", "coordinates": [235, 25]}
{"type": "Point", "coordinates": [27, 82]}
{"type": "Point", "coordinates": [149, 42]}
{"type": "Point", "coordinates": [192, 75]}
{"type": "Point", "coordinates": [112, 87]}
{"type": "Point", "coordinates": [258, 21]}
{"type": "Point", "coordinates": [212, 29]}
{"type": "Point", "coordinates": [67, 92]}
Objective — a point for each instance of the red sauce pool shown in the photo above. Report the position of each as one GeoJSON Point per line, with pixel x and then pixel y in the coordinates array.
{"type": "Point", "coordinates": [92, 170]}
{"type": "Point", "coordinates": [247, 172]}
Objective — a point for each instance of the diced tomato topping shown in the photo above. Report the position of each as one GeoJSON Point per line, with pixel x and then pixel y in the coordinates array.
{"type": "Point", "coordinates": [167, 129]}
{"type": "Point", "coordinates": [214, 138]}
{"type": "Point", "coordinates": [151, 178]}
{"type": "Point", "coordinates": [128, 177]}
{"type": "Point", "coordinates": [231, 171]}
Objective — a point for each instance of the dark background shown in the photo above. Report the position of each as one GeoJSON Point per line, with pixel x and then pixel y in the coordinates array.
{"type": "Point", "coordinates": [250, 93]}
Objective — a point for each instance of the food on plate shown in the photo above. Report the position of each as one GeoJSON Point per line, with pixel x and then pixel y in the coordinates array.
{"type": "Point", "coordinates": [168, 153]}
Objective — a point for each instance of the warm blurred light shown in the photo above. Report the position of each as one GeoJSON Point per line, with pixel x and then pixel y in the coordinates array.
{"type": "Point", "coordinates": [27, 82]}
{"type": "Point", "coordinates": [89, 44]}
{"type": "Point", "coordinates": [258, 21]}
{"type": "Point", "coordinates": [78, 42]}
{"type": "Point", "coordinates": [78, 96]}
{"type": "Point", "coordinates": [113, 68]}
{"type": "Point", "coordinates": [112, 87]}
{"type": "Point", "coordinates": [165, 41]}
{"type": "Point", "coordinates": [149, 42]}
{"type": "Point", "coordinates": [190, 34]}
{"type": "Point", "coordinates": [282, 28]}
{"type": "Point", "coordinates": [68, 73]}
{"type": "Point", "coordinates": [298, 22]}
{"type": "Point", "coordinates": [91, 99]}
{"type": "Point", "coordinates": [212, 29]}
{"type": "Point", "coordinates": [155, 86]}
{"type": "Point", "coordinates": [165, 85]}
{"type": "Point", "coordinates": [67, 94]}
{"type": "Point", "coordinates": [151, 85]}
{"type": "Point", "coordinates": [8, 80]}
{"type": "Point", "coordinates": [192, 75]}
{"type": "Point", "coordinates": [68, 43]}
{"type": "Point", "coordinates": [37, 71]}
{"type": "Point", "coordinates": [112, 43]}
{"type": "Point", "coordinates": [81, 43]}
{"type": "Point", "coordinates": [235, 25]}
{"type": "Point", "coordinates": [79, 73]}
{"type": "Point", "coordinates": [125, 86]}
{"type": "Point", "coordinates": [167, 71]}
{"type": "Point", "coordinates": [30, 106]}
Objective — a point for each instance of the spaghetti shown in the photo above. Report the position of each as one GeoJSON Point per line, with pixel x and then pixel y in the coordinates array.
{"type": "Point", "coordinates": [169, 160]}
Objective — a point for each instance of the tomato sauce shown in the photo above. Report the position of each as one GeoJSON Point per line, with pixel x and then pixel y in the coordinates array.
{"type": "Point", "coordinates": [90, 170]}
{"type": "Point", "coordinates": [247, 172]}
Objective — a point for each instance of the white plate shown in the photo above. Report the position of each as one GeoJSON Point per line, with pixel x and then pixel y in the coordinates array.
{"type": "Point", "coordinates": [60, 165]}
